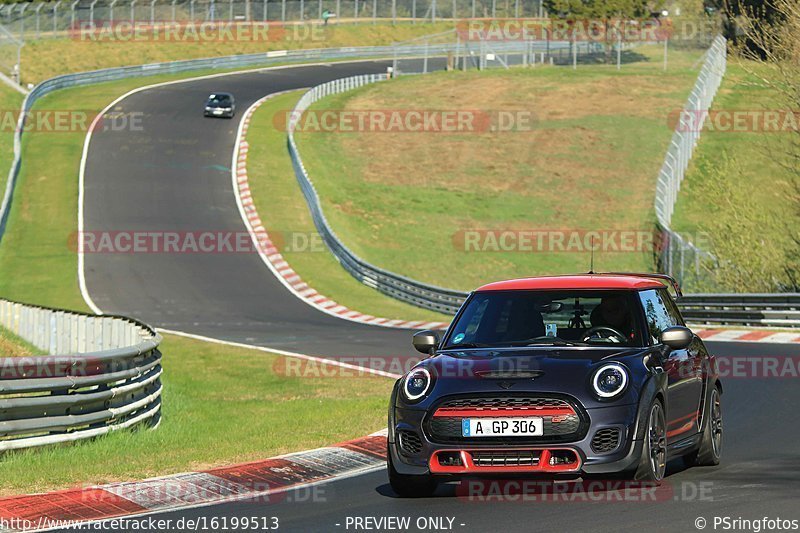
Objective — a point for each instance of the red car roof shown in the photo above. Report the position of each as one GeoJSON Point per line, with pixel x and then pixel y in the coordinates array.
{"type": "Point", "coordinates": [581, 281]}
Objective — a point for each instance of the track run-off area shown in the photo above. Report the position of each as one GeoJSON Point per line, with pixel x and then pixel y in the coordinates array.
{"type": "Point", "coordinates": [174, 175]}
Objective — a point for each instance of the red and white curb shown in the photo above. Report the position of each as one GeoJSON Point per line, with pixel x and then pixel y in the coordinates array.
{"type": "Point", "coordinates": [742, 335]}
{"type": "Point", "coordinates": [260, 482]}
{"type": "Point", "coordinates": [272, 256]}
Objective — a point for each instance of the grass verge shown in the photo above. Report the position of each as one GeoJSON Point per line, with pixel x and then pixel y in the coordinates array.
{"type": "Point", "coordinates": [740, 196]}
{"type": "Point", "coordinates": [12, 100]}
{"type": "Point", "coordinates": [283, 211]}
{"type": "Point", "coordinates": [12, 345]}
{"type": "Point", "coordinates": [221, 405]}
{"type": "Point", "coordinates": [49, 57]}
{"type": "Point", "coordinates": [403, 200]}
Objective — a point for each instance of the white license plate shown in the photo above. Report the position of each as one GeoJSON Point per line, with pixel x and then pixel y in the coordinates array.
{"type": "Point", "coordinates": [218, 111]}
{"type": "Point", "coordinates": [502, 427]}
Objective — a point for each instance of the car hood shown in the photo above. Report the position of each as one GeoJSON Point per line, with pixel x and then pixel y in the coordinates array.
{"type": "Point", "coordinates": [546, 370]}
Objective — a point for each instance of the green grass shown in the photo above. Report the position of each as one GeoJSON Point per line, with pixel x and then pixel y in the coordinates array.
{"type": "Point", "coordinates": [283, 211]}
{"type": "Point", "coordinates": [400, 200]}
{"type": "Point", "coordinates": [765, 214]}
{"type": "Point", "coordinates": [12, 100]}
{"type": "Point", "coordinates": [220, 406]}
{"type": "Point", "coordinates": [38, 263]}
{"type": "Point", "coordinates": [49, 57]}
{"type": "Point", "coordinates": [12, 345]}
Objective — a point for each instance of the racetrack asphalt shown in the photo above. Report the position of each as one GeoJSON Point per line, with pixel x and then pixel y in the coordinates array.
{"type": "Point", "coordinates": [174, 175]}
{"type": "Point", "coordinates": [759, 477]}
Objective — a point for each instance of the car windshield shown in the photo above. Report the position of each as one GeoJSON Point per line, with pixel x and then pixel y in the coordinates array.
{"type": "Point", "coordinates": [556, 318]}
{"type": "Point", "coordinates": [219, 100]}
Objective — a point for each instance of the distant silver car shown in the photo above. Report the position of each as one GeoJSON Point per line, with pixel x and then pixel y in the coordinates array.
{"type": "Point", "coordinates": [220, 105]}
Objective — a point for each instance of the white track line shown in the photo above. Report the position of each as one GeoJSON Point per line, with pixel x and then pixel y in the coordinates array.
{"type": "Point", "coordinates": [274, 260]}
{"type": "Point", "coordinates": [84, 155]}
{"type": "Point", "coordinates": [321, 360]}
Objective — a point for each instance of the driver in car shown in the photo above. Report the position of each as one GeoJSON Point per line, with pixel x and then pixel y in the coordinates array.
{"type": "Point", "coordinates": [613, 313]}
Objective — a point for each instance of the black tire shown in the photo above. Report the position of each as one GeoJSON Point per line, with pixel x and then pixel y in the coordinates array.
{"type": "Point", "coordinates": [407, 486]}
{"type": "Point", "coordinates": [653, 462]}
{"type": "Point", "coordinates": [710, 450]}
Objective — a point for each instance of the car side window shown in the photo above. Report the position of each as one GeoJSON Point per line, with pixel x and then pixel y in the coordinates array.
{"type": "Point", "coordinates": [672, 309]}
{"type": "Point", "coordinates": [657, 313]}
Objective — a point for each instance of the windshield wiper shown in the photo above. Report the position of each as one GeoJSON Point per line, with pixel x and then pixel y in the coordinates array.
{"type": "Point", "coordinates": [552, 341]}
{"type": "Point", "coordinates": [466, 345]}
{"type": "Point", "coordinates": [557, 342]}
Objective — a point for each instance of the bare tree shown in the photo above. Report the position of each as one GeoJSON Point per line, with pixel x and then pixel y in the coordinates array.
{"type": "Point", "coordinates": [767, 36]}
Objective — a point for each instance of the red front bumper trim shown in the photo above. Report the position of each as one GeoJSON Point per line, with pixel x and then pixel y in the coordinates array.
{"type": "Point", "coordinates": [468, 465]}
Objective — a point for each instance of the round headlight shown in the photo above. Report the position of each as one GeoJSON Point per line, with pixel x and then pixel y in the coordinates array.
{"type": "Point", "coordinates": [417, 383]}
{"type": "Point", "coordinates": [610, 380]}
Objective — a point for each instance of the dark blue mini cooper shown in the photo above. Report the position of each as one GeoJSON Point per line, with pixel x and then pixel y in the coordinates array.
{"type": "Point", "coordinates": [591, 375]}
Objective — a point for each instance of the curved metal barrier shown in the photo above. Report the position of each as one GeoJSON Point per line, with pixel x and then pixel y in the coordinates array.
{"type": "Point", "coordinates": [770, 310]}
{"type": "Point", "coordinates": [243, 61]}
{"type": "Point", "coordinates": [776, 310]}
{"type": "Point", "coordinates": [103, 374]}
{"type": "Point", "coordinates": [400, 287]}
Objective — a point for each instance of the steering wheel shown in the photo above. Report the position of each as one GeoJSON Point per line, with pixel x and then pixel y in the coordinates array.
{"type": "Point", "coordinates": [613, 334]}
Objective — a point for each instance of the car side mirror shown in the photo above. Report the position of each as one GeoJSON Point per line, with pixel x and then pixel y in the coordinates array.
{"type": "Point", "coordinates": [426, 341]}
{"type": "Point", "coordinates": [677, 337]}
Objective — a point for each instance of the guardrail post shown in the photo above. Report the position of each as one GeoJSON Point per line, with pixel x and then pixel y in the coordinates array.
{"type": "Point", "coordinates": [53, 334]}
{"type": "Point", "coordinates": [81, 345]}
{"type": "Point", "coordinates": [106, 329]}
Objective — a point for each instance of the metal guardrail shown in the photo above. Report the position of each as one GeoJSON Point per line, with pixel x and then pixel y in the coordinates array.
{"type": "Point", "coordinates": [417, 293]}
{"type": "Point", "coordinates": [679, 257]}
{"type": "Point", "coordinates": [243, 61]}
{"type": "Point", "coordinates": [766, 310]}
{"type": "Point", "coordinates": [778, 310]}
{"type": "Point", "coordinates": [103, 374]}
{"type": "Point", "coordinates": [446, 301]}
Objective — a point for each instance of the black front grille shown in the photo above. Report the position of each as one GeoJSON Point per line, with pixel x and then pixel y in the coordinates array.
{"type": "Point", "coordinates": [504, 402]}
{"type": "Point", "coordinates": [605, 440]}
{"type": "Point", "coordinates": [506, 458]}
{"type": "Point", "coordinates": [557, 429]}
{"type": "Point", "coordinates": [410, 443]}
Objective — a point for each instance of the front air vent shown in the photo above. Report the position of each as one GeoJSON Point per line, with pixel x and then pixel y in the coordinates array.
{"type": "Point", "coordinates": [605, 440]}
{"type": "Point", "coordinates": [410, 443]}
